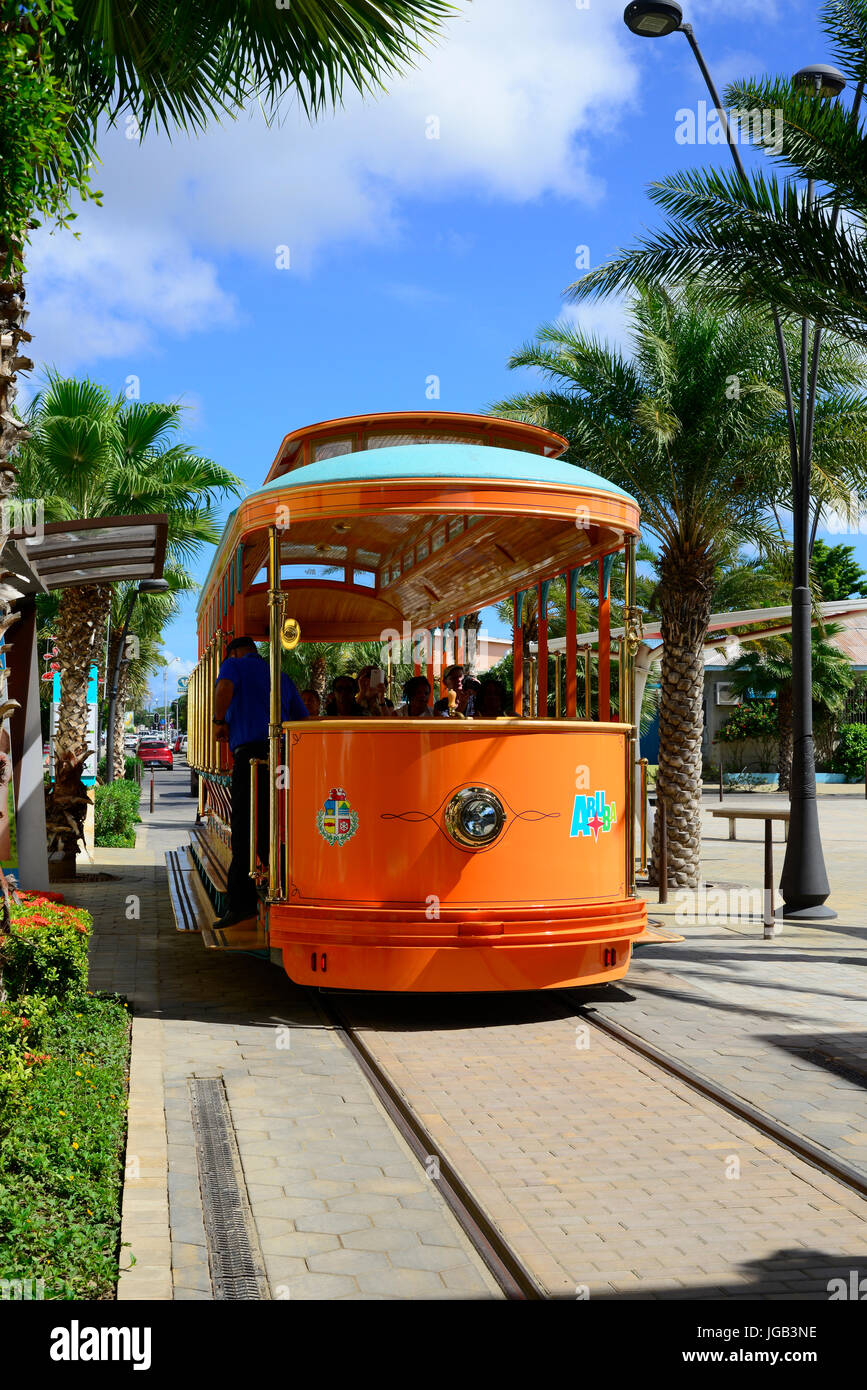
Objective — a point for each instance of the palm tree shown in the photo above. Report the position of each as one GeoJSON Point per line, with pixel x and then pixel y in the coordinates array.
{"type": "Point", "coordinates": [165, 64]}
{"type": "Point", "coordinates": [693, 429]}
{"type": "Point", "coordinates": [89, 455]}
{"type": "Point", "coordinates": [149, 616]}
{"type": "Point", "coordinates": [764, 669]}
{"type": "Point", "coordinates": [759, 240]}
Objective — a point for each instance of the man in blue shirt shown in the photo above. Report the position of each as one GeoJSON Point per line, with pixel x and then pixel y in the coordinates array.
{"type": "Point", "coordinates": [242, 711]}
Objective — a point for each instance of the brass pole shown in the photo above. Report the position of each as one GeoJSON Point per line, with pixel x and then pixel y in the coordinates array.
{"type": "Point", "coordinates": [286, 812]}
{"type": "Point", "coordinates": [209, 710]}
{"type": "Point", "coordinates": [629, 747]}
{"type": "Point", "coordinates": [588, 691]}
{"type": "Point", "coordinates": [254, 816]}
{"type": "Point", "coordinates": [633, 633]}
{"type": "Point", "coordinates": [622, 693]}
{"type": "Point", "coordinates": [275, 611]}
{"type": "Point", "coordinates": [557, 704]}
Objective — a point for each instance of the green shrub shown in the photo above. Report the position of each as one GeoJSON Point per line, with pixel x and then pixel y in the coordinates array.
{"type": "Point", "coordinates": [22, 1031]}
{"type": "Point", "coordinates": [45, 952]}
{"type": "Point", "coordinates": [61, 1154]}
{"type": "Point", "coordinates": [116, 814]}
{"type": "Point", "coordinates": [750, 721]}
{"type": "Point", "coordinates": [850, 755]}
{"type": "Point", "coordinates": [63, 1060]}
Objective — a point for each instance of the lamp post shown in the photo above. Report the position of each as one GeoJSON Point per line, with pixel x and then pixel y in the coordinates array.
{"type": "Point", "coordinates": [147, 586]}
{"type": "Point", "coordinates": [804, 881]}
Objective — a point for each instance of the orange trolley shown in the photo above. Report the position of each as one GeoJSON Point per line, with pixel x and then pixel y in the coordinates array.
{"type": "Point", "coordinates": [427, 854]}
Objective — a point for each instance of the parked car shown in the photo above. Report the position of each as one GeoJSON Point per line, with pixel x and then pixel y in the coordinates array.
{"type": "Point", "coordinates": [155, 752]}
{"type": "Point", "coordinates": [181, 743]}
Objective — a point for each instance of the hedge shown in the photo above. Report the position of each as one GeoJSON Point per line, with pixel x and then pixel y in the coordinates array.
{"type": "Point", "coordinates": [116, 814]}
{"type": "Point", "coordinates": [63, 1063]}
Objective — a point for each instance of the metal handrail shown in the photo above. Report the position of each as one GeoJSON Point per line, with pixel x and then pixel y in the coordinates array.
{"type": "Point", "coordinates": [256, 872]}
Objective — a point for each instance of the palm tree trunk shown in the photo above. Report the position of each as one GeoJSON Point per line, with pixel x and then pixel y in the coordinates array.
{"type": "Point", "coordinates": [685, 606]}
{"type": "Point", "coordinates": [319, 675]}
{"type": "Point", "coordinates": [784, 718]}
{"type": "Point", "coordinates": [81, 622]}
{"type": "Point", "coordinates": [122, 696]}
{"type": "Point", "coordinates": [120, 705]}
{"type": "Point", "coordinates": [13, 316]}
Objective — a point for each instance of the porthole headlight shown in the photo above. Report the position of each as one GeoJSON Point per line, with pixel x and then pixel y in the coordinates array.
{"type": "Point", "coordinates": [475, 817]}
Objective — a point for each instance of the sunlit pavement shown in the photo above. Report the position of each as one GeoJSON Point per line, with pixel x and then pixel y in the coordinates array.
{"type": "Point", "coordinates": [776, 1021]}
{"type": "Point", "coordinates": [341, 1208]}
{"type": "Point", "coordinates": [602, 1172]}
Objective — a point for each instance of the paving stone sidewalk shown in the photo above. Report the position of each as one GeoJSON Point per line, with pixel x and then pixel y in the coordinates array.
{"type": "Point", "coordinates": [342, 1209]}
{"type": "Point", "coordinates": [607, 1177]}
{"type": "Point", "coordinates": [782, 1023]}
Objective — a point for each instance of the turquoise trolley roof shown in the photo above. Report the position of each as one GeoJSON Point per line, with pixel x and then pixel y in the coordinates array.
{"type": "Point", "coordinates": [436, 460]}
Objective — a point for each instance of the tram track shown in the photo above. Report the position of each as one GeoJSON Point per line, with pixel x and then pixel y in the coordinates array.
{"type": "Point", "coordinates": [511, 1272]}
{"type": "Point", "coordinates": [788, 1138]}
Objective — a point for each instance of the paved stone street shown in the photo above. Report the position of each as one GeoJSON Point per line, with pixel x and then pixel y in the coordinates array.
{"type": "Point", "coordinates": [603, 1172]}
{"type": "Point", "coordinates": [341, 1207]}
{"type": "Point", "coordinates": [607, 1176]}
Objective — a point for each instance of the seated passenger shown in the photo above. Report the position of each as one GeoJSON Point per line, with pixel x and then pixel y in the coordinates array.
{"type": "Point", "coordinates": [313, 703]}
{"type": "Point", "coordinates": [458, 702]}
{"type": "Point", "coordinates": [342, 703]}
{"type": "Point", "coordinates": [416, 695]}
{"type": "Point", "coordinates": [492, 701]}
{"type": "Point", "coordinates": [371, 698]}
{"type": "Point", "coordinates": [473, 687]}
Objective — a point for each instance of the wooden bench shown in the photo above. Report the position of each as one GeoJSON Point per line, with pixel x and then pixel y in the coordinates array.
{"type": "Point", "coordinates": [732, 816]}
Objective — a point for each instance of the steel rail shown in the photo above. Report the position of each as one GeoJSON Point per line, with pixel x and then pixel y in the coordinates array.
{"type": "Point", "coordinates": [788, 1138]}
{"type": "Point", "coordinates": [507, 1269]}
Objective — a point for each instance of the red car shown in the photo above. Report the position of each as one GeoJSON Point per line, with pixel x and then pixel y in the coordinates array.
{"type": "Point", "coordinates": [155, 752]}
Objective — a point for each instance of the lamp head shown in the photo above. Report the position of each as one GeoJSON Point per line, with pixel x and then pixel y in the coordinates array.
{"type": "Point", "coordinates": [829, 81]}
{"type": "Point", "coordinates": [154, 586]}
{"type": "Point", "coordinates": [653, 19]}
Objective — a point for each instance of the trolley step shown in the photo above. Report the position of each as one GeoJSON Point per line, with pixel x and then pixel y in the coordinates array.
{"type": "Point", "coordinates": [182, 893]}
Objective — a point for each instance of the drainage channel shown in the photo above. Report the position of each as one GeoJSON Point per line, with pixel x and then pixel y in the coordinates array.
{"type": "Point", "coordinates": [237, 1266]}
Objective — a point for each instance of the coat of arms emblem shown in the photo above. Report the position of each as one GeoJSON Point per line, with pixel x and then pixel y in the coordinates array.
{"type": "Point", "coordinates": [337, 822]}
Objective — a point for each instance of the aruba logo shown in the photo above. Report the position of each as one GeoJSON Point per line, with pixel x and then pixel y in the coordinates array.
{"type": "Point", "coordinates": [592, 815]}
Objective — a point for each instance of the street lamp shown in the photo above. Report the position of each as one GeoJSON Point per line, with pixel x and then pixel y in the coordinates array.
{"type": "Point", "coordinates": [828, 81]}
{"type": "Point", "coordinates": [146, 586]}
{"type": "Point", "coordinates": [653, 19]}
{"type": "Point", "coordinates": [804, 880]}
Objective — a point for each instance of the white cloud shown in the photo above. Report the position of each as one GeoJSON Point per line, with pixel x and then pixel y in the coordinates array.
{"type": "Point", "coordinates": [112, 291]}
{"type": "Point", "coordinates": [519, 93]}
{"type": "Point", "coordinates": [607, 319]}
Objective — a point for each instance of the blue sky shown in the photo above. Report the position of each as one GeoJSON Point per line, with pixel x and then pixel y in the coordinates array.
{"type": "Point", "coordinates": [409, 256]}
